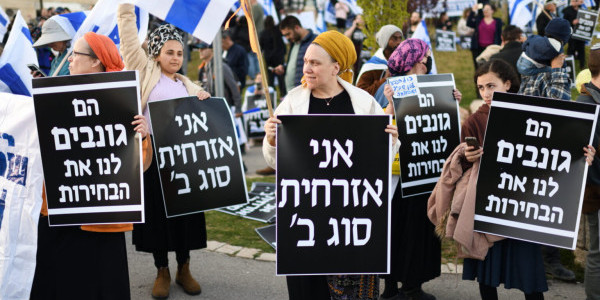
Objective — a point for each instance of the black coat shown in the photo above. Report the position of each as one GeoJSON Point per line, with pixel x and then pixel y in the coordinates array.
{"type": "Point", "coordinates": [541, 22]}
{"type": "Point", "coordinates": [272, 46]}
{"type": "Point", "coordinates": [510, 53]}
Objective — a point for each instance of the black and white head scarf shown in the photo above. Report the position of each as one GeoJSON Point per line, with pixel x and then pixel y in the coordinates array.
{"type": "Point", "coordinates": [160, 36]}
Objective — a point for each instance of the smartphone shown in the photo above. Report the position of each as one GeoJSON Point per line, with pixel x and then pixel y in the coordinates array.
{"type": "Point", "coordinates": [472, 141]}
{"type": "Point", "coordinates": [35, 68]}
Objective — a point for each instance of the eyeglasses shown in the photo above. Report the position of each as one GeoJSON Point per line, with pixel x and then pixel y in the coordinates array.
{"type": "Point", "coordinates": [75, 53]}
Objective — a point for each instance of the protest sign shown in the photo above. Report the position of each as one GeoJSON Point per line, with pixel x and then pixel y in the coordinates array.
{"type": "Point", "coordinates": [21, 181]}
{"type": "Point", "coordinates": [429, 129]}
{"type": "Point", "coordinates": [465, 42]}
{"type": "Point", "coordinates": [453, 8]}
{"type": "Point", "coordinates": [532, 173]}
{"type": "Point", "coordinates": [267, 233]}
{"type": "Point", "coordinates": [198, 154]}
{"type": "Point", "coordinates": [260, 206]}
{"type": "Point", "coordinates": [585, 28]}
{"type": "Point", "coordinates": [570, 66]}
{"type": "Point", "coordinates": [90, 152]}
{"type": "Point", "coordinates": [333, 188]}
{"type": "Point", "coordinates": [256, 114]}
{"type": "Point", "coordinates": [445, 41]}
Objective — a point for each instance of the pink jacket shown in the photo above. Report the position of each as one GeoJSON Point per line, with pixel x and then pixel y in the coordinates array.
{"type": "Point", "coordinates": [451, 207]}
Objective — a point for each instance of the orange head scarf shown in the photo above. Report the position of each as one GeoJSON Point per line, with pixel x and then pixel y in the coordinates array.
{"type": "Point", "coordinates": [106, 51]}
{"type": "Point", "coordinates": [341, 49]}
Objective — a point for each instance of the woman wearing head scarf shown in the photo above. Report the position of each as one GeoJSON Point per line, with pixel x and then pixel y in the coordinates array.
{"type": "Point", "coordinates": [87, 262]}
{"type": "Point", "coordinates": [159, 80]}
{"type": "Point", "coordinates": [327, 90]}
{"type": "Point", "coordinates": [416, 250]}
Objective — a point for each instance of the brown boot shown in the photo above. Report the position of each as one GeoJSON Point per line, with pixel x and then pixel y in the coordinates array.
{"type": "Point", "coordinates": [266, 171]}
{"type": "Point", "coordinates": [162, 284]}
{"type": "Point", "coordinates": [186, 281]}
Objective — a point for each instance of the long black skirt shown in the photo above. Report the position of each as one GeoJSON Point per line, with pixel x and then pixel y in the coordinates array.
{"type": "Point", "coordinates": [160, 233]}
{"type": "Point", "coordinates": [416, 250]}
{"type": "Point", "coordinates": [75, 264]}
{"type": "Point", "coordinates": [516, 264]}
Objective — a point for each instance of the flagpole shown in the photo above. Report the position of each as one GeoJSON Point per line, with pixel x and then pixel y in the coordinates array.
{"type": "Point", "coordinates": [261, 61]}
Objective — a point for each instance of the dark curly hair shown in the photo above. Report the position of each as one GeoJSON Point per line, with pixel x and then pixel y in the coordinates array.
{"type": "Point", "coordinates": [503, 70]}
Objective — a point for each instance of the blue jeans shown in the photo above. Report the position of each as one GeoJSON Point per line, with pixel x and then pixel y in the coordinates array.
{"type": "Point", "coordinates": [527, 68]}
{"type": "Point", "coordinates": [592, 264]}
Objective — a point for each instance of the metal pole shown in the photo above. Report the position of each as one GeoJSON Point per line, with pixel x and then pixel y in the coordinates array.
{"type": "Point", "coordinates": [218, 65]}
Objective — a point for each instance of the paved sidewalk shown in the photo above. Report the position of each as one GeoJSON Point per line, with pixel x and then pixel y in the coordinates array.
{"type": "Point", "coordinates": [232, 272]}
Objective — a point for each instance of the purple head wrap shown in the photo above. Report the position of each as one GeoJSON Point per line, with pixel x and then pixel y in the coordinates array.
{"type": "Point", "coordinates": [406, 55]}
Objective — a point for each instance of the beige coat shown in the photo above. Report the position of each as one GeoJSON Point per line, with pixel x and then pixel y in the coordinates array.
{"type": "Point", "coordinates": [296, 103]}
{"type": "Point", "coordinates": [451, 207]}
{"type": "Point", "coordinates": [137, 59]}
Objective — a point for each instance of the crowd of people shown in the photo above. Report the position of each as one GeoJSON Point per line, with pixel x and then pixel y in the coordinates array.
{"type": "Point", "coordinates": [318, 74]}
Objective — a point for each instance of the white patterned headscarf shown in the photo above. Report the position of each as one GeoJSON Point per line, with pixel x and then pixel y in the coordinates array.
{"type": "Point", "coordinates": [160, 36]}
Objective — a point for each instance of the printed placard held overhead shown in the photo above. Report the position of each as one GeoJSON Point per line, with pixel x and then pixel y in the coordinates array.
{"type": "Point", "coordinates": [333, 188]}
{"type": "Point", "coordinates": [196, 146]}
{"type": "Point", "coordinates": [90, 153]}
{"type": "Point", "coordinates": [533, 170]}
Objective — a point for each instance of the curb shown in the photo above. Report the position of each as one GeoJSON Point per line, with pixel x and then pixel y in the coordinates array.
{"type": "Point", "coordinates": [257, 254]}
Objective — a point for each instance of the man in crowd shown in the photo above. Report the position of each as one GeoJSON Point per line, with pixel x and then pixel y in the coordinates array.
{"type": "Point", "coordinates": [300, 38]}
{"type": "Point", "coordinates": [544, 18]}
{"type": "Point", "coordinates": [372, 73]}
{"type": "Point", "coordinates": [576, 47]}
{"type": "Point", "coordinates": [512, 45]}
{"type": "Point", "coordinates": [236, 57]}
{"type": "Point", "coordinates": [412, 24]}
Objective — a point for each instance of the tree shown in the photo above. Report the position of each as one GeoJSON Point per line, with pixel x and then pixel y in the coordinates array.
{"type": "Point", "coordinates": [377, 13]}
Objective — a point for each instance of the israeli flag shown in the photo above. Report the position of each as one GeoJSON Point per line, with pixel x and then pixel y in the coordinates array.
{"type": "Point", "coordinates": [329, 15]}
{"type": "Point", "coordinates": [18, 53]}
{"type": "Point", "coordinates": [102, 19]}
{"type": "Point", "coordinates": [421, 33]}
{"type": "Point", "coordinates": [70, 23]}
{"type": "Point", "coordinates": [268, 9]}
{"type": "Point", "coordinates": [4, 21]}
{"type": "Point", "coordinates": [321, 24]}
{"type": "Point", "coordinates": [522, 13]}
{"type": "Point", "coordinates": [201, 18]}
{"type": "Point", "coordinates": [588, 4]}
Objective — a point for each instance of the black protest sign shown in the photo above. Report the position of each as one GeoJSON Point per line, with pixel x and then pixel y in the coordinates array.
{"type": "Point", "coordinates": [198, 153]}
{"type": "Point", "coordinates": [267, 233]}
{"type": "Point", "coordinates": [533, 170]}
{"type": "Point", "coordinates": [333, 189]}
{"type": "Point", "coordinates": [428, 127]}
{"type": "Point", "coordinates": [260, 206]}
{"type": "Point", "coordinates": [91, 156]}
{"type": "Point", "coordinates": [445, 40]}
{"type": "Point", "coordinates": [570, 66]}
{"type": "Point", "coordinates": [256, 115]}
{"type": "Point", "coordinates": [465, 42]}
{"type": "Point", "coordinates": [585, 28]}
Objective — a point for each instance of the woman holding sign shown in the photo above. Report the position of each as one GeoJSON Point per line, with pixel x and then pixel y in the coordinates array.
{"type": "Point", "coordinates": [327, 89]}
{"type": "Point", "coordinates": [416, 251]}
{"type": "Point", "coordinates": [516, 264]}
{"type": "Point", "coordinates": [88, 262]}
{"type": "Point", "coordinates": [159, 80]}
